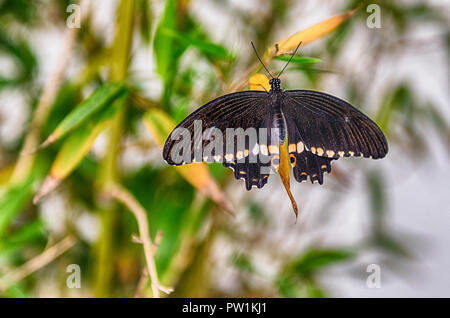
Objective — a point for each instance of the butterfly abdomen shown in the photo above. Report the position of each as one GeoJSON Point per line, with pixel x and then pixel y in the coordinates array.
{"type": "Point", "coordinates": [279, 123]}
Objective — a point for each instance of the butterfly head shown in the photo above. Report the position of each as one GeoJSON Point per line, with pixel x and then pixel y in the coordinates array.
{"type": "Point", "coordinates": [275, 84]}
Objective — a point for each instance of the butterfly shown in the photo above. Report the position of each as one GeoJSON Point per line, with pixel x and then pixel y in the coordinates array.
{"type": "Point", "coordinates": [317, 127]}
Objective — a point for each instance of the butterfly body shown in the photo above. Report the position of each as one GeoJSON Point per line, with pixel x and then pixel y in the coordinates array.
{"type": "Point", "coordinates": [319, 128]}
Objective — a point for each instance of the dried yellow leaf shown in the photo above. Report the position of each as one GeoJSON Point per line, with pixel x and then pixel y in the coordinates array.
{"type": "Point", "coordinates": [309, 35]}
{"type": "Point", "coordinates": [159, 124]}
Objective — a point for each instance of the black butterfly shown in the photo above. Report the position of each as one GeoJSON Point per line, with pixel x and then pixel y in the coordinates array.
{"type": "Point", "coordinates": [320, 128]}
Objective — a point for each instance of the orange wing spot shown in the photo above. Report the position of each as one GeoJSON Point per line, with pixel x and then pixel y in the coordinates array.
{"type": "Point", "coordinates": [292, 159]}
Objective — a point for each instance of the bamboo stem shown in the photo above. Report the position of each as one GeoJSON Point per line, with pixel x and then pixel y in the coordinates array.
{"type": "Point", "coordinates": [49, 93]}
{"type": "Point", "coordinates": [120, 55]}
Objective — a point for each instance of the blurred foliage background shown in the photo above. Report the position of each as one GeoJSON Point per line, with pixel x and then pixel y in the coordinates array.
{"type": "Point", "coordinates": [109, 94]}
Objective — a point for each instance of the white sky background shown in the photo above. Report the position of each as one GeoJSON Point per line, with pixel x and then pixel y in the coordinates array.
{"type": "Point", "coordinates": [419, 192]}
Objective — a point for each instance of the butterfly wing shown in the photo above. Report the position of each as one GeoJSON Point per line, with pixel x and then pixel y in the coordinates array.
{"type": "Point", "coordinates": [331, 127]}
{"type": "Point", "coordinates": [322, 127]}
{"type": "Point", "coordinates": [249, 109]}
{"type": "Point", "coordinates": [306, 164]}
{"type": "Point", "coordinates": [254, 174]}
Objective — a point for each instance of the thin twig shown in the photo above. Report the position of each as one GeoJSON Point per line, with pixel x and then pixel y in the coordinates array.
{"type": "Point", "coordinates": [37, 262]}
{"type": "Point", "coordinates": [123, 195]}
{"type": "Point", "coordinates": [48, 95]}
{"type": "Point", "coordinates": [142, 283]}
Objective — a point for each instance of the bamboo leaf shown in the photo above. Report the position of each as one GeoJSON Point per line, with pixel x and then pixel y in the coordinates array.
{"type": "Point", "coordinates": [287, 45]}
{"type": "Point", "coordinates": [12, 202]}
{"type": "Point", "coordinates": [163, 45]}
{"type": "Point", "coordinates": [27, 234]}
{"type": "Point", "coordinates": [299, 59]}
{"type": "Point", "coordinates": [316, 259]}
{"type": "Point", "coordinates": [76, 147]}
{"type": "Point", "coordinates": [145, 20]}
{"type": "Point", "coordinates": [210, 49]}
{"type": "Point", "coordinates": [160, 125]}
{"type": "Point", "coordinates": [100, 98]}
{"type": "Point", "coordinates": [308, 35]}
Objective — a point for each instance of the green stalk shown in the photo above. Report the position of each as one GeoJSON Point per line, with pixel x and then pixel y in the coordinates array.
{"type": "Point", "coordinates": [120, 56]}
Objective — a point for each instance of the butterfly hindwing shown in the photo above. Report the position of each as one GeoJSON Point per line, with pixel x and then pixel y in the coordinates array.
{"type": "Point", "coordinates": [307, 164]}
{"type": "Point", "coordinates": [304, 163]}
{"type": "Point", "coordinates": [330, 127]}
{"type": "Point", "coordinates": [255, 168]}
{"type": "Point", "coordinates": [254, 174]}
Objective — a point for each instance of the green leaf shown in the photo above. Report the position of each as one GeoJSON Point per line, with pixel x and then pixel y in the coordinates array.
{"type": "Point", "coordinates": [164, 45]}
{"type": "Point", "coordinates": [23, 58]}
{"type": "Point", "coordinates": [316, 259]}
{"type": "Point", "coordinates": [242, 262]}
{"type": "Point", "coordinates": [12, 201]}
{"type": "Point", "coordinates": [17, 291]}
{"type": "Point", "coordinates": [292, 287]}
{"type": "Point", "coordinates": [297, 278]}
{"type": "Point", "coordinates": [167, 49]}
{"type": "Point", "coordinates": [99, 99]}
{"type": "Point", "coordinates": [299, 59]}
{"type": "Point", "coordinates": [68, 97]}
{"type": "Point", "coordinates": [377, 194]}
{"type": "Point", "coordinates": [145, 20]}
{"type": "Point", "coordinates": [77, 146]}
{"type": "Point", "coordinates": [399, 99]}
{"type": "Point", "coordinates": [80, 142]}
{"type": "Point", "coordinates": [27, 234]}
{"type": "Point", "coordinates": [211, 50]}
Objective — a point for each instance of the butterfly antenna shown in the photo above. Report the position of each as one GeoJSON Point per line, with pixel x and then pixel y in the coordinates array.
{"type": "Point", "coordinates": [290, 59]}
{"type": "Point", "coordinates": [261, 60]}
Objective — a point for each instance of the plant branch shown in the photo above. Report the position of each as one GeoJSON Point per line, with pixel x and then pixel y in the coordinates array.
{"type": "Point", "coordinates": [124, 196]}
{"type": "Point", "coordinates": [37, 263]}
